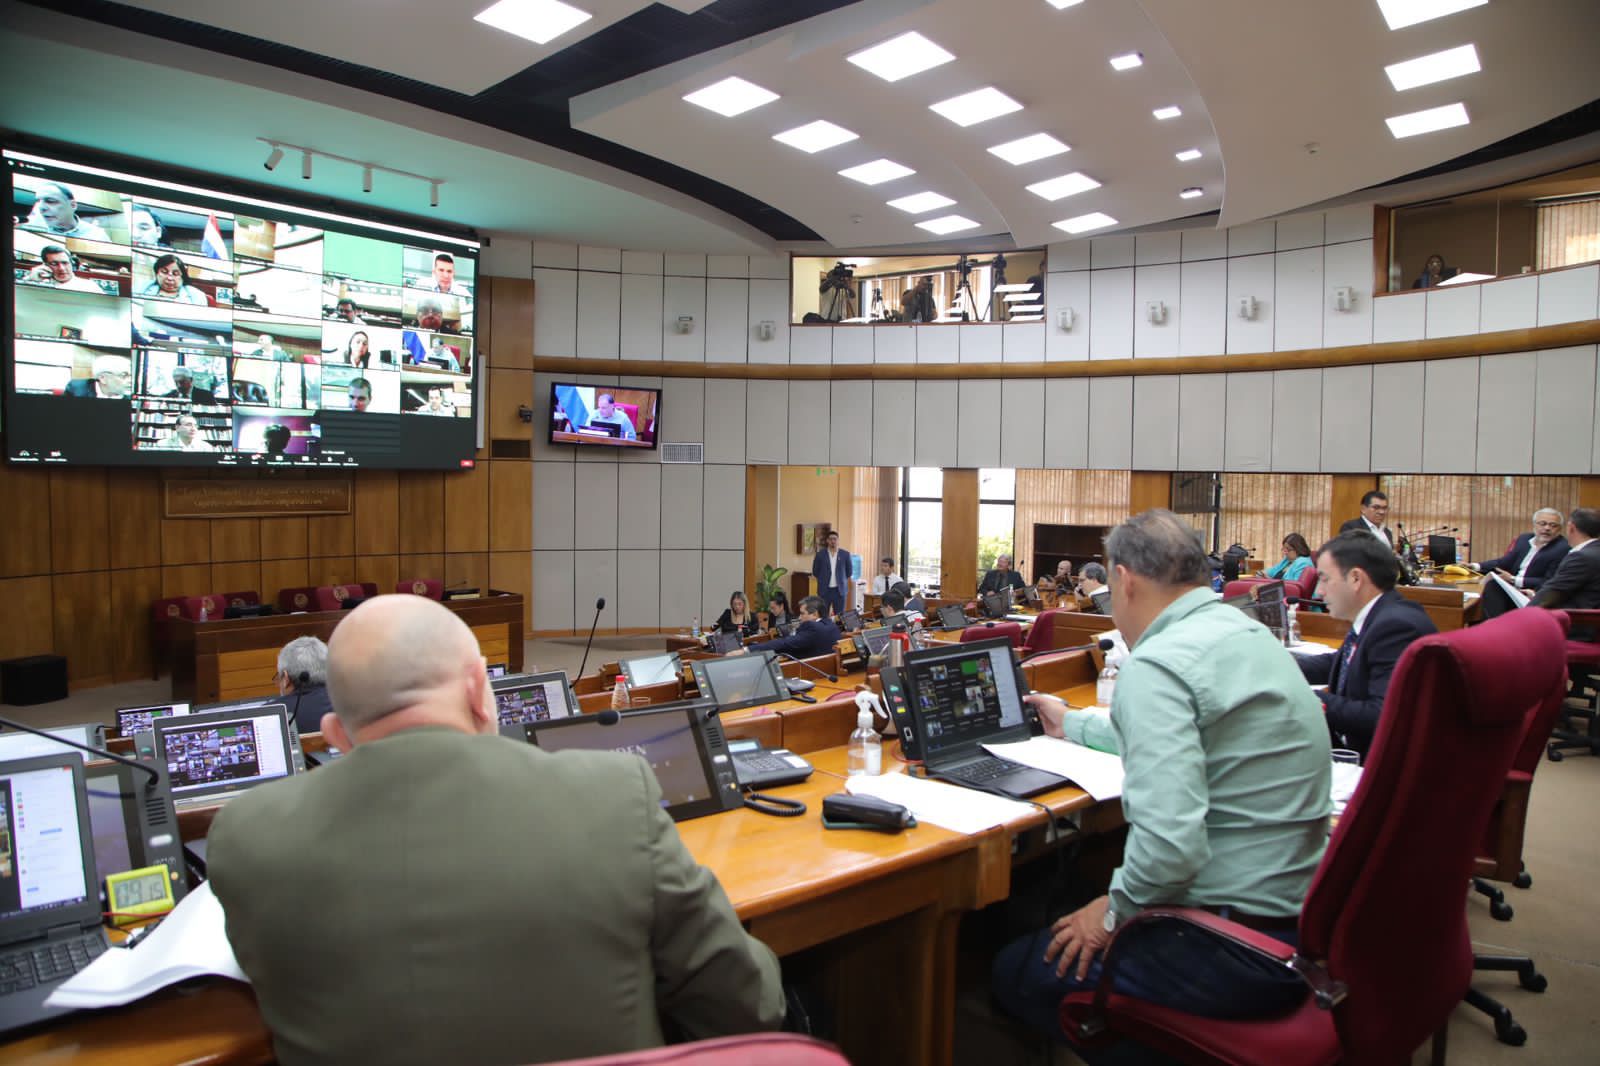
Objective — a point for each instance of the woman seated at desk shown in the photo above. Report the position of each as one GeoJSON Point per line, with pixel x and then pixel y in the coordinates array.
{"type": "Point", "coordinates": [737, 618]}
{"type": "Point", "coordinates": [1296, 559]}
{"type": "Point", "coordinates": [778, 611]}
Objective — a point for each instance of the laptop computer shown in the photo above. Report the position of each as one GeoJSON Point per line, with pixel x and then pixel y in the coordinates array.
{"type": "Point", "coordinates": [650, 670]}
{"type": "Point", "coordinates": [214, 756]}
{"type": "Point", "coordinates": [787, 629]}
{"type": "Point", "coordinates": [49, 886]}
{"type": "Point", "coordinates": [534, 697]}
{"type": "Point", "coordinates": [850, 620]}
{"type": "Point", "coordinates": [997, 604]}
{"type": "Point", "coordinates": [951, 616]}
{"type": "Point", "coordinates": [132, 720]}
{"type": "Point", "coordinates": [963, 696]}
{"type": "Point", "coordinates": [736, 681]}
{"type": "Point", "coordinates": [1442, 549]}
{"type": "Point", "coordinates": [722, 642]}
{"type": "Point", "coordinates": [18, 745]}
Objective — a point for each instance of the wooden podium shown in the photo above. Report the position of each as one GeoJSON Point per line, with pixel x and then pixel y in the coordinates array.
{"type": "Point", "coordinates": [235, 659]}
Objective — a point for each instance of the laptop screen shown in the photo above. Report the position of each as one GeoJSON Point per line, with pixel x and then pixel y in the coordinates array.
{"type": "Point", "coordinates": [46, 864]}
{"type": "Point", "coordinates": [131, 720]}
{"type": "Point", "coordinates": [26, 745]}
{"type": "Point", "coordinates": [650, 670]}
{"type": "Point", "coordinates": [877, 639]}
{"type": "Point", "coordinates": [964, 695]}
{"type": "Point", "coordinates": [667, 737]}
{"type": "Point", "coordinates": [850, 621]}
{"type": "Point", "coordinates": [534, 697]}
{"type": "Point", "coordinates": [736, 681]}
{"type": "Point", "coordinates": [224, 751]}
{"type": "Point", "coordinates": [996, 604]}
{"type": "Point", "coordinates": [723, 643]}
{"type": "Point", "coordinates": [952, 617]}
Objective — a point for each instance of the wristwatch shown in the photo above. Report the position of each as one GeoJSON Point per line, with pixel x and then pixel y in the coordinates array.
{"type": "Point", "coordinates": [1111, 920]}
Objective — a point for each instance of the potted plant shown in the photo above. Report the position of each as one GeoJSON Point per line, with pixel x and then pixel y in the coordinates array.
{"type": "Point", "coordinates": [766, 586]}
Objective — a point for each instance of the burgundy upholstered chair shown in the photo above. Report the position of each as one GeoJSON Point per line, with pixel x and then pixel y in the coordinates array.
{"type": "Point", "coordinates": [1042, 636]}
{"type": "Point", "coordinates": [1012, 631]}
{"type": "Point", "coordinates": [300, 598]}
{"type": "Point", "coordinates": [331, 597]}
{"type": "Point", "coordinates": [1583, 661]}
{"type": "Point", "coordinates": [1385, 908]}
{"type": "Point", "coordinates": [421, 586]}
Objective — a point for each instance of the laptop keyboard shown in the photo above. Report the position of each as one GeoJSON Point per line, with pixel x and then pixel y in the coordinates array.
{"type": "Point", "coordinates": [21, 970]}
{"type": "Point", "coordinates": [981, 771]}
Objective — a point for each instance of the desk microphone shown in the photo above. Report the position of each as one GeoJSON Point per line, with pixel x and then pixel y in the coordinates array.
{"type": "Point", "coordinates": [155, 775]}
{"type": "Point", "coordinates": [609, 716]}
{"type": "Point", "coordinates": [1104, 644]}
{"type": "Point", "coordinates": [814, 669]}
{"type": "Point", "coordinates": [599, 605]}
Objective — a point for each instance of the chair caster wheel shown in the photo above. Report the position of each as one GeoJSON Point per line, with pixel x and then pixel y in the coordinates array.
{"type": "Point", "coordinates": [1522, 880]}
{"type": "Point", "coordinates": [1555, 756]}
{"type": "Point", "coordinates": [1536, 983]}
{"type": "Point", "coordinates": [1509, 1032]}
{"type": "Point", "coordinates": [1500, 911]}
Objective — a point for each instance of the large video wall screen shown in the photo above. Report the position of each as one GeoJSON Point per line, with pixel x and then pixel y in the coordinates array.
{"type": "Point", "coordinates": [163, 324]}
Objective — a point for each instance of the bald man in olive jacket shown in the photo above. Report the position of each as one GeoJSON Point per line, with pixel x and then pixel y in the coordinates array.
{"type": "Point", "coordinates": [442, 894]}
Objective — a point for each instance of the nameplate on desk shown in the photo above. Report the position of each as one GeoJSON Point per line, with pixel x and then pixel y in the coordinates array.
{"type": "Point", "coordinates": [239, 498]}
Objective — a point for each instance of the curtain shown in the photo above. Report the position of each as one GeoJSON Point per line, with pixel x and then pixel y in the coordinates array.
{"type": "Point", "coordinates": [874, 514]}
{"type": "Point", "coordinates": [1490, 511]}
{"type": "Point", "coordinates": [1067, 497]}
{"type": "Point", "coordinates": [1259, 510]}
{"type": "Point", "coordinates": [1568, 233]}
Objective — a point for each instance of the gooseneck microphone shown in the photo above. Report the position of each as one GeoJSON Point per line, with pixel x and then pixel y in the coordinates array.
{"type": "Point", "coordinates": [814, 669]}
{"type": "Point", "coordinates": [599, 605]}
{"type": "Point", "coordinates": [155, 776]}
{"type": "Point", "coordinates": [609, 716]}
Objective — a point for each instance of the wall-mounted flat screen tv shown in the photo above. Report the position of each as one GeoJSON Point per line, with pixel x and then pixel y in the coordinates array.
{"type": "Point", "coordinates": [172, 323]}
{"type": "Point", "coordinates": [604, 415]}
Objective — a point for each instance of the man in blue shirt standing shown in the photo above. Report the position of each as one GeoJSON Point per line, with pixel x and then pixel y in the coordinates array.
{"type": "Point", "coordinates": [831, 568]}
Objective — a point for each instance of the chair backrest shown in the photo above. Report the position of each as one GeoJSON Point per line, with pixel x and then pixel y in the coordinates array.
{"type": "Point", "coordinates": [300, 598]}
{"type": "Point", "coordinates": [368, 589]}
{"type": "Point", "coordinates": [211, 603]}
{"type": "Point", "coordinates": [168, 609]}
{"type": "Point", "coordinates": [1041, 637]}
{"type": "Point", "coordinates": [330, 597]}
{"type": "Point", "coordinates": [751, 1049]}
{"type": "Point", "coordinates": [249, 598]}
{"type": "Point", "coordinates": [422, 586]}
{"type": "Point", "coordinates": [828, 664]}
{"type": "Point", "coordinates": [1012, 631]}
{"type": "Point", "coordinates": [1241, 587]}
{"type": "Point", "coordinates": [1385, 908]}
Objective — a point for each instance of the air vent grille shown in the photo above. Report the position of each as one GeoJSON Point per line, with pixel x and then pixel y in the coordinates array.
{"type": "Point", "coordinates": [683, 453]}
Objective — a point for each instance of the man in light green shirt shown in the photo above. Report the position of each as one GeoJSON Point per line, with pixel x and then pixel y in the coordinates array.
{"type": "Point", "coordinates": [1226, 795]}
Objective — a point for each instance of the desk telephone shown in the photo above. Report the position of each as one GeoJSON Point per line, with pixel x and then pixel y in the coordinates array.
{"type": "Point", "coordinates": [759, 767]}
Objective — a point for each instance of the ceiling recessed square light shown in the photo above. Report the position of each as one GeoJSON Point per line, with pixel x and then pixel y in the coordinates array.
{"type": "Point", "coordinates": [1191, 192]}
{"type": "Point", "coordinates": [1026, 150]}
{"type": "Point", "coordinates": [1402, 13]}
{"type": "Point", "coordinates": [539, 21]}
{"type": "Point", "coordinates": [947, 224]}
{"type": "Point", "coordinates": [1440, 66]}
{"type": "Point", "coordinates": [969, 109]}
{"type": "Point", "coordinates": [1085, 223]}
{"type": "Point", "coordinates": [1059, 4]}
{"type": "Point", "coordinates": [1064, 186]}
{"type": "Point", "coordinates": [731, 96]}
{"type": "Point", "coordinates": [1435, 118]}
{"type": "Point", "coordinates": [1127, 62]}
{"type": "Point", "coordinates": [1164, 113]}
{"type": "Point", "coordinates": [877, 172]}
{"type": "Point", "coordinates": [917, 203]}
{"type": "Point", "coordinates": [900, 57]}
{"type": "Point", "coordinates": [815, 136]}
{"type": "Point", "coordinates": [1188, 155]}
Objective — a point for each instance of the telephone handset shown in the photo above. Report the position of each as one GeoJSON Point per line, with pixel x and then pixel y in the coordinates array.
{"type": "Point", "coordinates": [757, 766]}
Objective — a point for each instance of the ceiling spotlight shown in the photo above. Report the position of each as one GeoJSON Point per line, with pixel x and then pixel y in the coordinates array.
{"type": "Point", "coordinates": [1127, 62]}
{"type": "Point", "coordinates": [1435, 118]}
{"type": "Point", "coordinates": [539, 21]}
{"type": "Point", "coordinates": [1059, 4]}
{"type": "Point", "coordinates": [1085, 223]}
{"type": "Point", "coordinates": [947, 224]}
{"type": "Point", "coordinates": [1191, 192]}
{"type": "Point", "coordinates": [1164, 113]}
{"type": "Point", "coordinates": [815, 136]}
{"type": "Point", "coordinates": [969, 109]}
{"type": "Point", "coordinates": [902, 56]}
{"type": "Point", "coordinates": [1028, 149]}
{"type": "Point", "coordinates": [917, 203]}
{"type": "Point", "coordinates": [305, 166]}
{"type": "Point", "coordinates": [1066, 185]}
{"type": "Point", "coordinates": [731, 96]}
{"type": "Point", "coordinates": [274, 157]}
{"type": "Point", "coordinates": [366, 179]}
{"type": "Point", "coordinates": [433, 194]}
{"type": "Point", "coordinates": [1440, 66]}
{"type": "Point", "coordinates": [1402, 13]}
{"type": "Point", "coordinates": [877, 172]}
{"type": "Point", "coordinates": [1188, 155]}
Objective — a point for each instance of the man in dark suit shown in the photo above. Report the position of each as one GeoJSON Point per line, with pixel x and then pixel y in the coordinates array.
{"type": "Point", "coordinates": [113, 378]}
{"type": "Point", "coordinates": [184, 387]}
{"type": "Point", "coordinates": [1576, 582]}
{"type": "Point", "coordinates": [831, 568]}
{"type": "Point", "coordinates": [1373, 518]}
{"type": "Point", "coordinates": [815, 635]}
{"type": "Point", "coordinates": [1000, 578]}
{"type": "Point", "coordinates": [1357, 575]}
{"type": "Point", "coordinates": [450, 870]}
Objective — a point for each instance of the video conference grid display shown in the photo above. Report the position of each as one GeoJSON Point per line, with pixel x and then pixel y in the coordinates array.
{"type": "Point", "coordinates": [966, 696]}
{"type": "Point", "coordinates": [218, 331]}
{"type": "Point", "coordinates": [251, 749]}
{"type": "Point", "coordinates": [538, 701]}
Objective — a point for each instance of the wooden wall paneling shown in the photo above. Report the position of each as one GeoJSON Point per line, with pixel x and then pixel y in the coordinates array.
{"type": "Point", "coordinates": [466, 510]}
{"type": "Point", "coordinates": [283, 538]}
{"type": "Point", "coordinates": [429, 565]}
{"type": "Point", "coordinates": [132, 593]}
{"type": "Point", "coordinates": [331, 570]}
{"type": "Point", "coordinates": [377, 505]}
{"type": "Point", "coordinates": [1147, 489]}
{"type": "Point", "coordinates": [185, 541]}
{"type": "Point", "coordinates": [510, 505]}
{"type": "Point", "coordinates": [278, 574]}
{"type": "Point", "coordinates": [468, 570]}
{"type": "Point", "coordinates": [78, 526]}
{"type": "Point", "coordinates": [235, 539]}
{"type": "Point", "coordinates": [1347, 492]}
{"type": "Point", "coordinates": [190, 579]}
{"type": "Point", "coordinates": [133, 504]}
{"type": "Point", "coordinates": [1589, 492]}
{"type": "Point", "coordinates": [238, 577]}
{"type": "Point", "coordinates": [383, 570]}
{"type": "Point", "coordinates": [84, 632]}
{"type": "Point", "coordinates": [25, 536]}
{"type": "Point", "coordinates": [959, 538]}
{"type": "Point", "coordinates": [29, 610]}
{"type": "Point", "coordinates": [512, 571]}
{"type": "Point", "coordinates": [511, 322]}
{"type": "Point", "coordinates": [331, 535]}
{"type": "Point", "coordinates": [509, 389]}
{"type": "Point", "coordinates": [421, 512]}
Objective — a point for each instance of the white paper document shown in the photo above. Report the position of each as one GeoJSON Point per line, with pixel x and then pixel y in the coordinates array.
{"type": "Point", "coordinates": [1346, 776]}
{"type": "Point", "coordinates": [191, 942]}
{"type": "Point", "coordinates": [1096, 772]}
{"type": "Point", "coordinates": [1518, 597]}
{"type": "Point", "coordinates": [1306, 647]}
{"type": "Point", "coordinates": [963, 810]}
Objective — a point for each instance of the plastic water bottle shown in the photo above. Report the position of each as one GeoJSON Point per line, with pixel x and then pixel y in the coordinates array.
{"type": "Point", "coordinates": [1291, 633]}
{"type": "Point", "coordinates": [1105, 685]}
{"type": "Point", "coordinates": [866, 748]}
{"type": "Point", "coordinates": [696, 627]}
{"type": "Point", "coordinates": [204, 613]}
{"type": "Point", "coordinates": [620, 700]}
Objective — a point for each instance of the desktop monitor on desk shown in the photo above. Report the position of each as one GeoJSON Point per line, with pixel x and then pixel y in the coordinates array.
{"type": "Point", "coordinates": [1442, 550]}
{"type": "Point", "coordinates": [997, 604]}
{"type": "Point", "coordinates": [736, 681]}
{"type": "Point", "coordinates": [19, 745]}
{"type": "Point", "coordinates": [135, 720]}
{"type": "Point", "coordinates": [534, 697]}
{"type": "Point", "coordinates": [650, 670]}
{"type": "Point", "coordinates": [215, 755]}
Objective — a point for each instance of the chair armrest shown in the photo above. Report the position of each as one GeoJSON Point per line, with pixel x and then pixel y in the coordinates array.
{"type": "Point", "coordinates": [1325, 991]}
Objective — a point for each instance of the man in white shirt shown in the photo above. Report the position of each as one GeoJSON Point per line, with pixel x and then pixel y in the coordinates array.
{"type": "Point", "coordinates": [444, 275]}
{"type": "Point", "coordinates": [185, 438]}
{"type": "Point", "coordinates": [831, 568]}
{"type": "Point", "coordinates": [1092, 584]}
{"type": "Point", "coordinates": [1374, 515]}
{"type": "Point", "coordinates": [59, 270]}
{"type": "Point", "coordinates": [1533, 556]}
{"type": "Point", "coordinates": [1576, 583]}
{"type": "Point", "coordinates": [886, 578]}
{"type": "Point", "coordinates": [607, 414]}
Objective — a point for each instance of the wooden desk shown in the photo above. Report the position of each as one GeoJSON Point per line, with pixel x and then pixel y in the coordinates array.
{"type": "Point", "coordinates": [236, 658]}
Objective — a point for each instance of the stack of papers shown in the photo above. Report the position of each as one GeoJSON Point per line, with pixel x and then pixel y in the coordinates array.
{"type": "Point", "coordinates": [191, 942]}
{"type": "Point", "coordinates": [1096, 772]}
{"type": "Point", "coordinates": [962, 810]}
{"type": "Point", "coordinates": [1306, 647]}
{"type": "Point", "coordinates": [1346, 776]}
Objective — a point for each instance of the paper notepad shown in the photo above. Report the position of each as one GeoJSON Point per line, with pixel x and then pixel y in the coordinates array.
{"type": "Point", "coordinates": [1098, 773]}
{"type": "Point", "coordinates": [962, 810]}
{"type": "Point", "coordinates": [191, 942]}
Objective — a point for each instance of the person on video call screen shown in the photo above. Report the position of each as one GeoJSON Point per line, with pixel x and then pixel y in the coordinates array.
{"type": "Point", "coordinates": [607, 413]}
